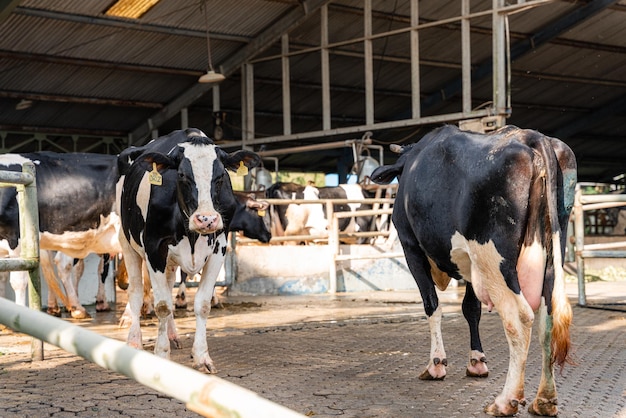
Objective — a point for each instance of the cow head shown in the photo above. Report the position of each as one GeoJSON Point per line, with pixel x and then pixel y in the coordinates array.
{"type": "Point", "coordinates": [203, 190]}
{"type": "Point", "coordinates": [252, 217]}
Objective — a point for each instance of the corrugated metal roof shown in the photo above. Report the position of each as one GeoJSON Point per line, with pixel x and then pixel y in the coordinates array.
{"type": "Point", "coordinates": [90, 75]}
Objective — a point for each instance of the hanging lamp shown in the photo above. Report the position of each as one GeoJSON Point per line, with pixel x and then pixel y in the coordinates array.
{"type": "Point", "coordinates": [211, 76]}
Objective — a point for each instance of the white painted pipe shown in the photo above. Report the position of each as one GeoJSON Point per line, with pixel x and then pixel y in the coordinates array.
{"type": "Point", "coordinates": [206, 395]}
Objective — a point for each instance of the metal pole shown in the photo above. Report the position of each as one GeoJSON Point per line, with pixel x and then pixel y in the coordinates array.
{"type": "Point", "coordinates": [579, 233]}
{"type": "Point", "coordinates": [333, 246]}
{"type": "Point", "coordinates": [206, 395]}
{"type": "Point", "coordinates": [29, 233]}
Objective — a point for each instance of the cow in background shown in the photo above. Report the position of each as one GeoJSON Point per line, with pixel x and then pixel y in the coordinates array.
{"type": "Point", "coordinates": [176, 206]}
{"type": "Point", "coordinates": [492, 210]}
{"type": "Point", "coordinates": [76, 197]}
{"type": "Point", "coordinates": [310, 218]}
{"type": "Point", "coordinates": [70, 270]}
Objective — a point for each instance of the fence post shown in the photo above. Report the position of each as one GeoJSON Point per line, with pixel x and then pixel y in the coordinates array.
{"type": "Point", "coordinates": [579, 233]}
{"type": "Point", "coordinates": [333, 247]}
{"type": "Point", "coordinates": [29, 233]}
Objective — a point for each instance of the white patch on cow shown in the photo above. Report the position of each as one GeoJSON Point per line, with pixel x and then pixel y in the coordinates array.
{"type": "Point", "coordinates": [191, 262]}
{"type": "Point", "coordinates": [316, 222]}
{"type": "Point", "coordinates": [531, 265]}
{"type": "Point", "coordinates": [79, 244]}
{"type": "Point", "coordinates": [202, 159]}
{"type": "Point", "coordinates": [10, 159]}
{"type": "Point", "coordinates": [143, 195]}
{"type": "Point", "coordinates": [479, 264]}
{"type": "Point", "coordinates": [353, 192]}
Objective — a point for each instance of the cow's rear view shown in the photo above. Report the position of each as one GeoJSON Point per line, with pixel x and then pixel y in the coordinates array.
{"type": "Point", "coordinates": [493, 210]}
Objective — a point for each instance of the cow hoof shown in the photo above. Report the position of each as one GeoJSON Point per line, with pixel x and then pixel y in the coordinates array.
{"type": "Point", "coordinates": [206, 368]}
{"type": "Point", "coordinates": [435, 370]}
{"type": "Point", "coordinates": [504, 410]}
{"type": "Point", "coordinates": [175, 343]}
{"type": "Point", "coordinates": [544, 407]}
{"type": "Point", "coordinates": [102, 306]}
{"type": "Point", "coordinates": [54, 312]}
{"type": "Point", "coordinates": [80, 314]}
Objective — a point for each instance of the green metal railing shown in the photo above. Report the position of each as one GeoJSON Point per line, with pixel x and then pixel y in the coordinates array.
{"type": "Point", "coordinates": [26, 185]}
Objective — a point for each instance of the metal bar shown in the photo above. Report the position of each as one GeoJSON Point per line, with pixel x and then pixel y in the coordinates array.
{"type": "Point", "coordinates": [333, 243]}
{"type": "Point", "coordinates": [415, 62]}
{"type": "Point", "coordinates": [372, 212]}
{"type": "Point", "coordinates": [333, 201]}
{"type": "Point", "coordinates": [449, 117]}
{"type": "Point", "coordinates": [325, 58]}
{"type": "Point", "coordinates": [466, 56]}
{"type": "Point", "coordinates": [604, 246]}
{"type": "Point", "coordinates": [18, 264]}
{"type": "Point", "coordinates": [601, 198]}
{"type": "Point", "coordinates": [314, 147]}
{"type": "Point", "coordinates": [11, 178]}
{"type": "Point", "coordinates": [206, 395]}
{"type": "Point", "coordinates": [346, 257]}
{"type": "Point", "coordinates": [286, 82]}
{"type": "Point", "coordinates": [594, 206]}
{"type": "Point", "coordinates": [602, 254]}
{"type": "Point", "coordinates": [29, 233]}
{"type": "Point", "coordinates": [579, 234]}
{"type": "Point", "coordinates": [368, 62]}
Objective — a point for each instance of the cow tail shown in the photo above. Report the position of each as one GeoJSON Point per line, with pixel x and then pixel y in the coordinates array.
{"type": "Point", "coordinates": [559, 306]}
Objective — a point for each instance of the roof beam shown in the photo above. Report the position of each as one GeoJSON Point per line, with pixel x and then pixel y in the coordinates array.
{"type": "Point", "coordinates": [262, 42]}
{"type": "Point", "coordinates": [108, 65]}
{"type": "Point", "coordinates": [519, 49]}
{"type": "Point", "coordinates": [111, 22]}
{"type": "Point", "coordinates": [39, 97]}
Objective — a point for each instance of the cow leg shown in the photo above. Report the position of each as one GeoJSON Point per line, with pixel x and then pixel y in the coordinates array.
{"type": "Point", "coordinates": [53, 305]}
{"type": "Point", "coordinates": [517, 319]}
{"type": "Point", "coordinates": [130, 317]}
{"type": "Point", "coordinates": [101, 298]}
{"type": "Point", "coordinates": [4, 278]}
{"type": "Point", "coordinates": [545, 402]}
{"type": "Point", "coordinates": [65, 265]}
{"type": "Point", "coordinates": [172, 333]}
{"type": "Point", "coordinates": [420, 269]}
{"type": "Point", "coordinates": [202, 307]}
{"type": "Point", "coordinates": [472, 310]}
{"type": "Point", "coordinates": [181, 295]}
{"type": "Point", "coordinates": [19, 283]}
{"type": "Point", "coordinates": [163, 308]}
{"type": "Point", "coordinates": [147, 308]}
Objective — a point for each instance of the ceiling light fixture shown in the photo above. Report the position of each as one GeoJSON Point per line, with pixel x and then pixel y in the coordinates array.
{"type": "Point", "coordinates": [23, 104]}
{"type": "Point", "coordinates": [211, 76]}
{"type": "Point", "coordinates": [130, 9]}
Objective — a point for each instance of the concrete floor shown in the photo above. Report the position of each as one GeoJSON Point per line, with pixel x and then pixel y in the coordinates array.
{"type": "Point", "coordinates": [349, 355]}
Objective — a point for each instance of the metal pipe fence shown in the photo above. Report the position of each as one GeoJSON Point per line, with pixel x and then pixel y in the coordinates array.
{"type": "Point", "coordinates": [206, 395]}
{"type": "Point", "coordinates": [584, 203]}
{"type": "Point", "coordinates": [26, 186]}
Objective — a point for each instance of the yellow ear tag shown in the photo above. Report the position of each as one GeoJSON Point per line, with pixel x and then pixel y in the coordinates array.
{"type": "Point", "coordinates": [154, 177]}
{"type": "Point", "coordinates": [261, 213]}
{"type": "Point", "coordinates": [242, 170]}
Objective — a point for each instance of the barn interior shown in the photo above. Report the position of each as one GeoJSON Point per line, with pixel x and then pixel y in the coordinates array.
{"type": "Point", "coordinates": [302, 77]}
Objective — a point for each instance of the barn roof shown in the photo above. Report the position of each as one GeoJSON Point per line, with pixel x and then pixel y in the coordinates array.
{"type": "Point", "coordinates": [73, 78]}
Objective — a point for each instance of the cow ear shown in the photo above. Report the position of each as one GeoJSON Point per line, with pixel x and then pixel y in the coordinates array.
{"type": "Point", "coordinates": [126, 158]}
{"type": "Point", "coordinates": [162, 161]}
{"type": "Point", "coordinates": [233, 160]}
{"type": "Point", "coordinates": [386, 173]}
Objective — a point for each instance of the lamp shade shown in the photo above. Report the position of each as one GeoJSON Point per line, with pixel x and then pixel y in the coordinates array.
{"type": "Point", "coordinates": [211, 77]}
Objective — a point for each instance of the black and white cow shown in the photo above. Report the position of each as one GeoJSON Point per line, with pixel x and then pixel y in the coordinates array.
{"type": "Point", "coordinates": [310, 219]}
{"type": "Point", "coordinates": [176, 207]}
{"type": "Point", "coordinates": [493, 210]}
{"type": "Point", "coordinates": [76, 198]}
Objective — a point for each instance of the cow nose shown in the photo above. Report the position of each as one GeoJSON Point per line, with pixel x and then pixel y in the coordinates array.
{"type": "Point", "coordinates": [206, 223]}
